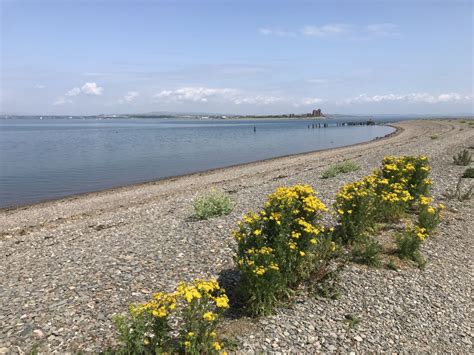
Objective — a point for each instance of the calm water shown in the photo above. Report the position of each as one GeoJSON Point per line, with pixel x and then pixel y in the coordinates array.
{"type": "Point", "coordinates": [53, 158]}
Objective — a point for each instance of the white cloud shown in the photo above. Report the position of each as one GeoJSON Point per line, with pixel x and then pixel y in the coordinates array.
{"type": "Point", "coordinates": [311, 101]}
{"type": "Point", "coordinates": [62, 101]}
{"type": "Point", "coordinates": [332, 30]}
{"type": "Point", "coordinates": [257, 100]}
{"type": "Point", "coordinates": [327, 30]}
{"type": "Point", "coordinates": [87, 89]}
{"type": "Point", "coordinates": [275, 32]}
{"type": "Point", "coordinates": [195, 94]}
{"type": "Point", "coordinates": [203, 94]}
{"type": "Point", "coordinates": [40, 86]}
{"type": "Point", "coordinates": [92, 89]}
{"type": "Point", "coordinates": [228, 95]}
{"type": "Point", "coordinates": [131, 95]}
{"type": "Point", "coordinates": [412, 97]}
{"type": "Point", "coordinates": [73, 92]}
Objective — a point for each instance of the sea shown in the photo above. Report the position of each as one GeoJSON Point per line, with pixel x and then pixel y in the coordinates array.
{"type": "Point", "coordinates": [50, 158]}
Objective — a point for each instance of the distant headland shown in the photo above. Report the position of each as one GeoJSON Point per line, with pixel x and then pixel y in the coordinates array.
{"type": "Point", "coordinates": [316, 113]}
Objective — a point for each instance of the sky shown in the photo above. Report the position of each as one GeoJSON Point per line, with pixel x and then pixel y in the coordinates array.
{"type": "Point", "coordinates": [83, 57]}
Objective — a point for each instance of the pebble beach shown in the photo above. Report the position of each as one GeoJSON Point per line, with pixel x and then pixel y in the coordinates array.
{"type": "Point", "coordinates": [69, 265]}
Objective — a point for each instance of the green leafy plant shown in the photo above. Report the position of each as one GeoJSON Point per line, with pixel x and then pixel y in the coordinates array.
{"type": "Point", "coordinates": [195, 308]}
{"type": "Point", "coordinates": [462, 158]}
{"type": "Point", "coordinates": [409, 243]}
{"type": "Point", "coordinates": [356, 209]}
{"type": "Point", "coordinates": [429, 215]}
{"type": "Point", "coordinates": [468, 173]}
{"type": "Point", "coordinates": [352, 321]}
{"type": "Point", "coordinates": [212, 204]}
{"type": "Point", "coordinates": [203, 304]}
{"type": "Point", "coordinates": [276, 248]}
{"type": "Point", "coordinates": [367, 251]}
{"type": "Point", "coordinates": [340, 168]}
{"type": "Point", "coordinates": [392, 265]}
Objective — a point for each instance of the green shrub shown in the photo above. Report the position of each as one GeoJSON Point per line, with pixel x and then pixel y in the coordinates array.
{"type": "Point", "coordinates": [212, 204]}
{"type": "Point", "coordinates": [340, 168]}
{"type": "Point", "coordinates": [203, 303]}
{"type": "Point", "coordinates": [434, 137]}
{"type": "Point", "coordinates": [195, 309]}
{"type": "Point", "coordinates": [409, 243]}
{"type": "Point", "coordinates": [276, 248]}
{"type": "Point", "coordinates": [355, 207]}
{"type": "Point", "coordinates": [367, 251]}
{"type": "Point", "coordinates": [411, 172]}
{"type": "Point", "coordinates": [462, 158]}
{"type": "Point", "coordinates": [352, 321]}
{"type": "Point", "coordinates": [428, 215]}
{"type": "Point", "coordinates": [146, 329]}
{"type": "Point", "coordinates": [385, 195]}
{"type": "Point", "coordinates": [392, 265]}
{"type": "Point", "coordinates": [468, 173]}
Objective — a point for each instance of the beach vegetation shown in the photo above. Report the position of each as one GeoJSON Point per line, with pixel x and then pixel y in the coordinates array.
{"type": "Point", "coordinates": [385, 195]}
{"type": "Point", "coordinates": [409, 242]}
{"type": "Point", "coordinates": [367, 251]}
{"type": "Point", "coordinates": [352, 321]}
{"type": "Point", "coordinates": [429, 215]}
{"type": "Point", "coordinates": [277, 248]}
{"type": "Point", "coordinates": [463, 158]}
{"type": "Point", "coordinates": [341, 168]}
{"type": "Point", "coordinates": [212, 204]}
{"type": "Point", "coordinates": [183, 321]}
{"type": "Point", "coordinates": [468, 173]}
{"type": "Point", "coordinates": [392, 265]}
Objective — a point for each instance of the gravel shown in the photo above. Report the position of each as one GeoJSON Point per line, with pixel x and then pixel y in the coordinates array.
{"type": "Point", "coordinates": [68, 266]}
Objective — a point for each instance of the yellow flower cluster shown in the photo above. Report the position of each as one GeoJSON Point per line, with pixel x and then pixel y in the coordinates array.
{"type": "Point", "coordinates": [299, 207]}
{"type": "Point", "coordinates": [429, 215]}
{"type": "Point", "coordinates": [410, 171]}
{"type": "Point", "coordinates": [196, 307]}
{"type": "Point", "coordinates": [276, 241]}
{"type": "Point", "coordinates": [384, 194]}
{"type": "Point", "coordinates": [159, 306]}
{"type": "Point", "coordinates": [163, 303]}
{"type": "Point", "coordinates": [421, 233]}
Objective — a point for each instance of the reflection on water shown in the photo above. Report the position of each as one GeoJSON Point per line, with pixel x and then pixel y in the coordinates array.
{"type": "Point", "coordinates": [53, 158]}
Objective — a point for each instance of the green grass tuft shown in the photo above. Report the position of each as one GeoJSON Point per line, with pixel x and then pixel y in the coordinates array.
{"type": "Point", "coordinates": [340, 168]}
{"type": "Point", "coordinates": [212, 204]}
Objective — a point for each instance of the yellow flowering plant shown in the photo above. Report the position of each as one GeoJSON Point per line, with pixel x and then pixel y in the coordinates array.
{"type": "Point", "coordinates": [409, 243]}
{"type": "Point", "coordinates": [429, 215]}
{"type": "Point", "coordinates": [410, 171]}
{"type": "Point", "coordinates": [202, 303]}
{"type": "Point", "coordinates": [146, 329]}
{"type": "Point", "coordinates": [195, 309]}
{"type": "Point", "coordinates": [385, 195]}
{"type": "Point", "coordinates": [355, 207]}
{"type": "Point", "coordinates": [274, 245]}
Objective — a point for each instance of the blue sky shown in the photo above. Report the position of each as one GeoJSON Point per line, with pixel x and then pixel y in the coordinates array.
{"type": "Point", "coordinates": [354, 57]}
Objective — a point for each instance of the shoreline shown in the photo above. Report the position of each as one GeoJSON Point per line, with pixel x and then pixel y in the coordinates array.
{"type": "Point", "coordinates": [72, 197]}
